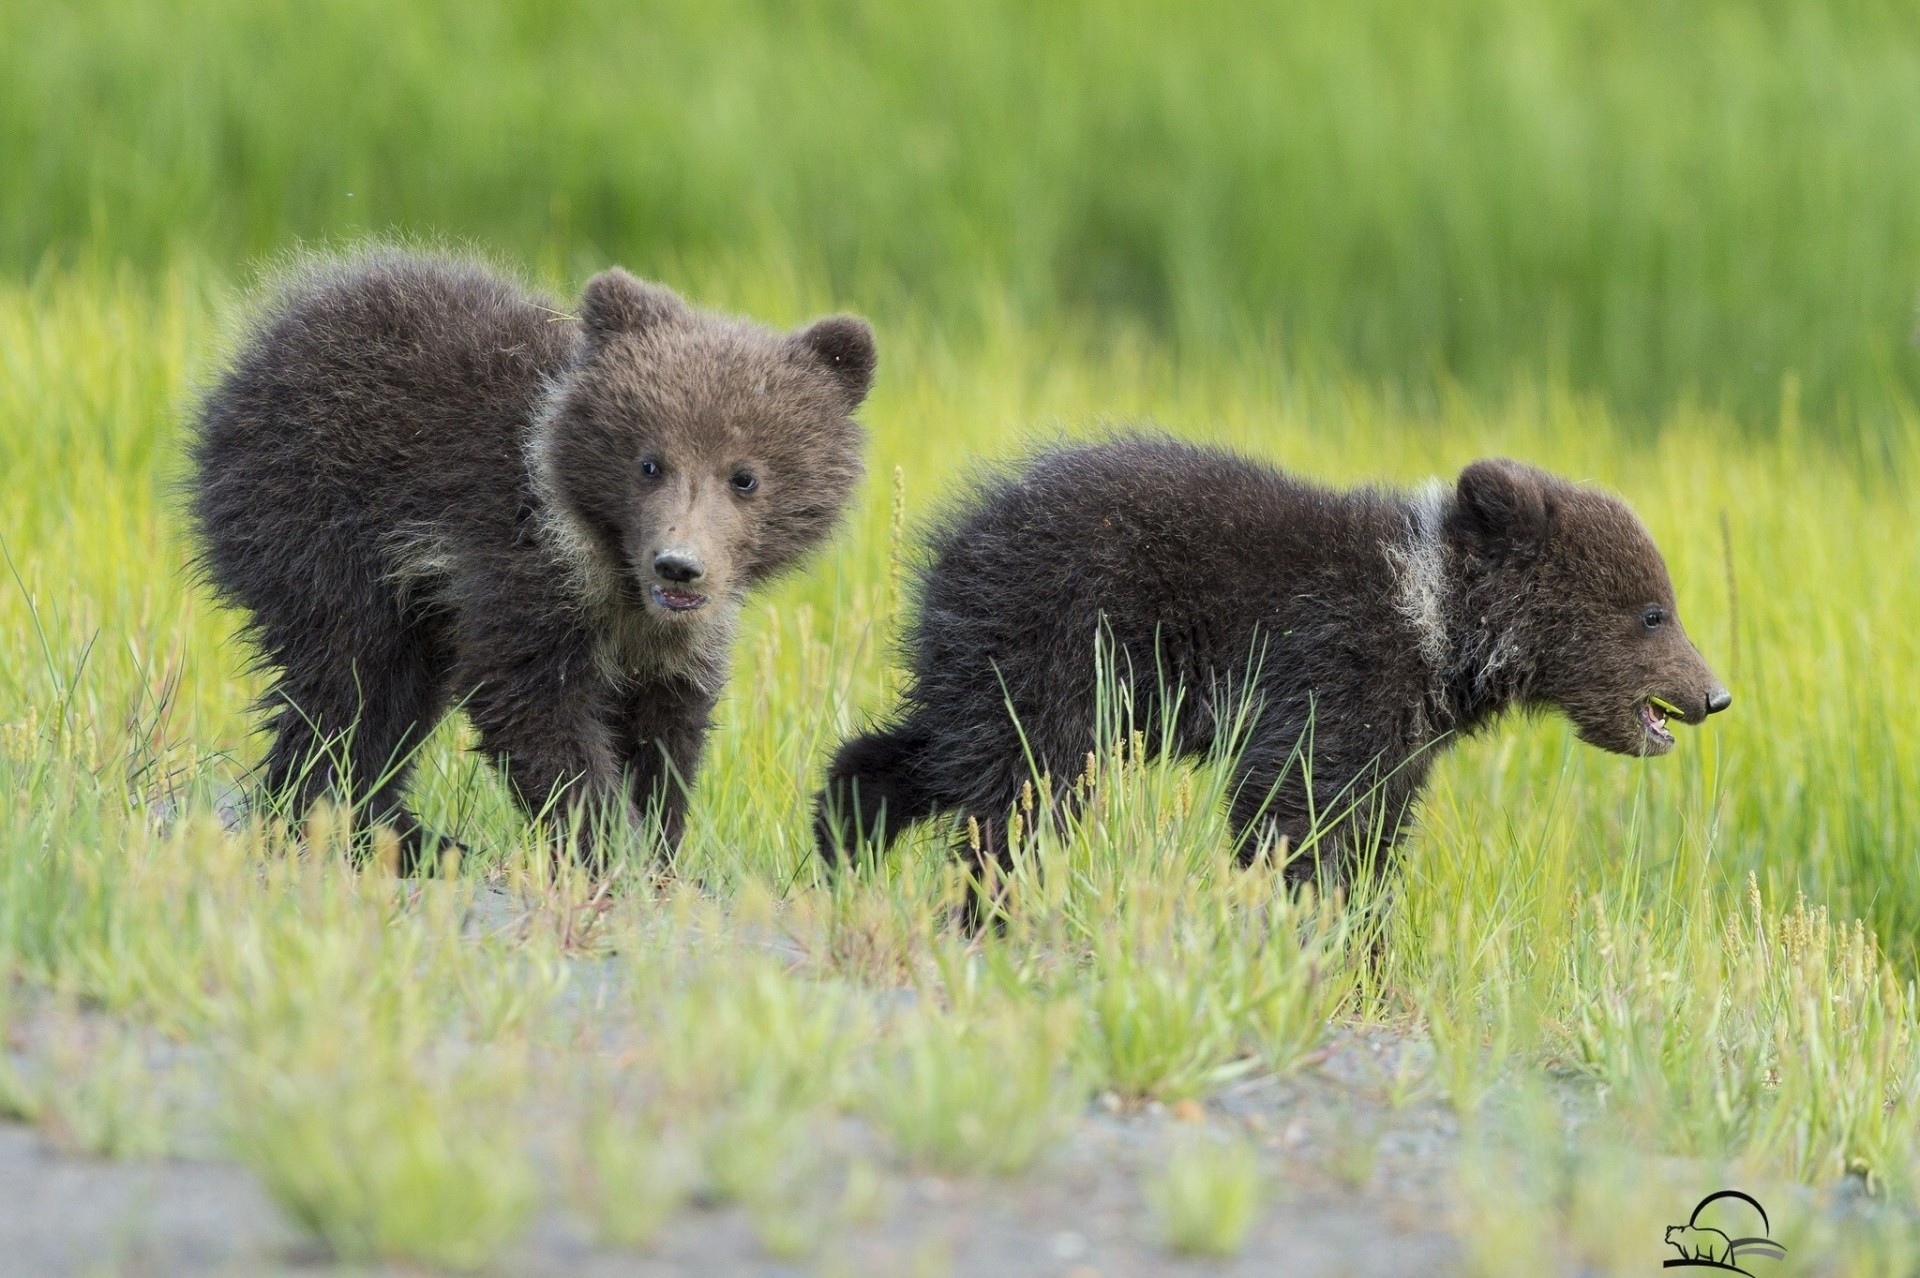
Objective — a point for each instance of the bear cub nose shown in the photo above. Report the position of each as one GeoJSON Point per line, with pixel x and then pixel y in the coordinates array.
{"type": "Point", "coordinates": [1717, 700]}
{"type": "Point", "coordinates": [678, 566]}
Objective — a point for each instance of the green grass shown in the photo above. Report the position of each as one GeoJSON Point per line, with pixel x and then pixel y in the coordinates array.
{"type": "Point", "coordinates": [1207, 1198]}
{"type": "Point", "coordinates": [982, 1095]}
{"type": "Point", "coordinates": [1648, 199]}
{"type": "Point", "coordinates": [393, 1070]}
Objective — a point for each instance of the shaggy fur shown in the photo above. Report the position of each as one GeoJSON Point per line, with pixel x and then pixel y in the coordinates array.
{"type": "Point", "coordinates": [1363, 629]}
{"type": "Point", "coordinates": [426, 486]}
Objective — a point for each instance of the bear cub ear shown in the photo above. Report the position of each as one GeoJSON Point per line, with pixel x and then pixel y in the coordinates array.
{"type": "Point", "coordinates": [1501, 499]}
{"type": "Point", "coordinates": [844, 344]}
{"type": "Point", "coordinates": [616, 302]}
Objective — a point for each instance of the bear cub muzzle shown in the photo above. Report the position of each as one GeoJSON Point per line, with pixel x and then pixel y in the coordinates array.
{"type": "Point", "coordinates": [1365, 630]}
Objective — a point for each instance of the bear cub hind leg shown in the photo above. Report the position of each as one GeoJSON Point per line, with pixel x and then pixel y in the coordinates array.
{"type": "Point", "coordinates": [354, 739]}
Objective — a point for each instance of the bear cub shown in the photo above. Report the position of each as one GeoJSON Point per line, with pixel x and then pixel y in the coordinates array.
{"type": "Point", "coordinates": [427, 487]}
{"type": "Point", "coordinates": [1359, 631]}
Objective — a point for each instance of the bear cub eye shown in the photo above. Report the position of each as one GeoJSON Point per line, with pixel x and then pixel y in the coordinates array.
{"type": "Point", "coordinates": [650, 467]}
{"type": "Point", "coordinates": [1653, 618]}
{"type": "Point", "coordinates": [745, 481]}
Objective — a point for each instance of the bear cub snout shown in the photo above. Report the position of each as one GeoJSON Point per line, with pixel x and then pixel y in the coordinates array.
{"type": "Point", "coordinates": [426, 486]}
{"type": "Point", "coordinates": [1363, 630]}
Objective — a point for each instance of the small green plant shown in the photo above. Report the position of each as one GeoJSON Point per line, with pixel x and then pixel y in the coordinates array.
{"type": "Point", "coordinates": [1356, 1151]}
{"type": "Point", "coordinates": [1199, 982]}
{"type": "Point", "coordinates": [864, 1196]}
{"type": "Point", "coordinates": [101, 1099]}
{"type": "Point", "coordinates": [746, 1027]}
{"type": "Point", "coordinates": [768, 1160]}
{"type": "Point", "coordinates": [787, 1226]}
{"type": "Point", "coordinates": [385, 1146]}
{"type": "Point", "coordinates": [18, 1098]}
{"type": "Point", "coordinates": [977, 1095]}
{"type": "Point", "coordinates": [1158, 1026]}
{"type": "Point", "coordinates": [1206, 1200]}
{"type": "Point", "coordinates": [755, 1150]}
{"type": "Point", "coordinates": [1165, 1006]}
{"type": "Point", "coordinates": [384, 1165]}
{"type": "Point", "coordinates": [633, 1177]}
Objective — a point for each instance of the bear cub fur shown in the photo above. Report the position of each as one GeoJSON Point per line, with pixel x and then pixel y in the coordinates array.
{"type": "Point", "coordinates": [1359, 631]}
{"type": "Point", "coordinates": [428, 487]}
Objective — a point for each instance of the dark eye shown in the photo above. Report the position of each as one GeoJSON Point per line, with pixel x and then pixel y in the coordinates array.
{"type": "Point", "coordinates": [1653, 618]}
{"type": "Point", "coordinates": [745, 481]}
{"type": "Point", "coordinates": [650, 467]}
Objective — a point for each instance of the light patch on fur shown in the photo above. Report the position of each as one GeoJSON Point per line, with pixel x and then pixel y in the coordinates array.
{"type": "Point", "coordinates": [1419, 565]}
{"type": "Point", "coordinates": [420, 563]}
{"type": "Point", "coordinates": [590, 578]}
{"type": "Point", "coordinates": [631, 645]}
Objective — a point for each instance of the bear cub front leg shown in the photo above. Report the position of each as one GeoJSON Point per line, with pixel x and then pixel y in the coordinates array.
{"type": "Point", "coordinates": [545, 716]}
{"type": "Point", "coordinates": [663, 728]}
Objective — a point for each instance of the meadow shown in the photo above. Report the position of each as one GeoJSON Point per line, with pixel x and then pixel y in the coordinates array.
{"type": "Point", "coordinates": [1664, 249]}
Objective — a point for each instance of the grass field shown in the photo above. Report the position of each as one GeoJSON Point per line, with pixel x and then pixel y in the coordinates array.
{"type": "Point", "coordinates": [1668, 249]}
{"type": "Point", "coordinates": [1644, 198]}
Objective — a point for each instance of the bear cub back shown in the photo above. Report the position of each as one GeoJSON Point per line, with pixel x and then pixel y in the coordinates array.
{"type": "Point", "coordinates": [426, 486]}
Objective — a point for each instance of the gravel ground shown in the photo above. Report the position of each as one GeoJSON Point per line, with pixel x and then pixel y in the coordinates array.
{"type": "Point", "coordinates": [1357, 1187]}
{"type": "Point", "coordinates": [1079, 1216]}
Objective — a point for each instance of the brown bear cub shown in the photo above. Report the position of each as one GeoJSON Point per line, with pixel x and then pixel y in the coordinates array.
{"type": "Point", "coordinates": [1357, 631]}
{"type": "Point", "coordinates": [427, 487]}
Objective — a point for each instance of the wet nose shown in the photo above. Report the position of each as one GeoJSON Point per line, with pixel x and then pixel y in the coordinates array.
{"type": "Point", "coordinates": [678, 566]}
{"type": "Point", "coordinates": [1717, 700]}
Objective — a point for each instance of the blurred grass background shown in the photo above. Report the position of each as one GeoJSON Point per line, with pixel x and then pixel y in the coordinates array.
{"type": "Point", "coordinates": [1657, 201]}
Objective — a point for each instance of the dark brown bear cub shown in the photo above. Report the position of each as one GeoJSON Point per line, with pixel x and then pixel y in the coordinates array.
{"type": "Point", "coordinates": [427, 487]}
{"type": "Point", "coordinates": [1361, 630]}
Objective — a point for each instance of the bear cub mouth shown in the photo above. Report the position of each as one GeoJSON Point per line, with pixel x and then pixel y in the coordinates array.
{"type": "Point", "coordinates": [1653, 722]}
{"type": "Point", "coordinates": [674, 599]}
